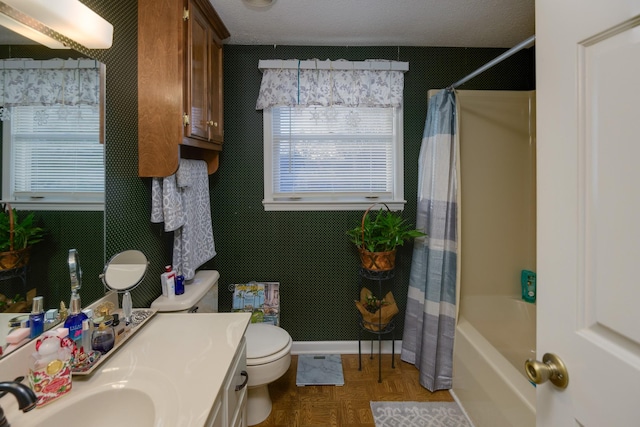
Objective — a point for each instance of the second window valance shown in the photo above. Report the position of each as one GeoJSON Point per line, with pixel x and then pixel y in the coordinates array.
{"type": "Point", "coordinates": [341, 83]}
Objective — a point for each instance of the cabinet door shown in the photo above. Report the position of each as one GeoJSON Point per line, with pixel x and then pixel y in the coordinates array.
{"type": "Point", "coordinates": [236, 390]}
{"type": "Point", "coordinates": [197, 74]}
{"type": "Point", "coordinates": [216, 107]}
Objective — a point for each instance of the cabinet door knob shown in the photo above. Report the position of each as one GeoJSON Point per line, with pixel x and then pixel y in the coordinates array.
{"type": "Point", "coordinates": [212, 123]}
{"type": "Point", "coordinates": [244, 383]}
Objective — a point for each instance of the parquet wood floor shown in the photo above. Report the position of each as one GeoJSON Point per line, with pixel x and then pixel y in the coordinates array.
{"type": "Point", "coordinates": [348, 405]}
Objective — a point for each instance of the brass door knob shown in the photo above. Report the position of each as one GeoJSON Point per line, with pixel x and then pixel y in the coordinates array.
{"type": "Point", "coordinates": [212, 123]}
{"type": "Point", "coordinates": [551, 368]}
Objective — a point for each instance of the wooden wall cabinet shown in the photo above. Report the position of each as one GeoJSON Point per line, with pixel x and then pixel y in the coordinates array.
{"type": "Point", "coordinates": [180, 94]}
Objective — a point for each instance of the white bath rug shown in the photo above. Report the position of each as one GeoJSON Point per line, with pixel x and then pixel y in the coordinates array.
{"type": "Point", "coordinates": [418, 414]}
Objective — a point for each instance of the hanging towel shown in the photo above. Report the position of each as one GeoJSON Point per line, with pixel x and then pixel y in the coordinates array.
{"type": "Point", "coordinates": [193, 243]}
{"type": "Point", "coordinates": [166, 203]}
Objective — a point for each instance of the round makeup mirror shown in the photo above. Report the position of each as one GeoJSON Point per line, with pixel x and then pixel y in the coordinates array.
{"type": "Point", "coordinates": [125, 270]}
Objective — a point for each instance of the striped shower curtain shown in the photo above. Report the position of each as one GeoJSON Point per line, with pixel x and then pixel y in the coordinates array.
{"type": "Point", "coordinates": [430, 317]}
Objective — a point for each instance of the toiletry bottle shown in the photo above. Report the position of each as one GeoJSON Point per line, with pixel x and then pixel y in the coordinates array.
{"type": "Point", "coordinates": [103, 338]}
{"type": "Point", "coordinates": [528, 284]}
{"type": "Point", "coordinates": [36, 318]}
{"type": "Point", "coordinates": [74, 321]}
{"type": "Point", "coordinates": [118, 328]}
{"type": "Point", "coordinates": [179, 284]}
{"type": "Point", "coordinates": [87, 329]}
{"type": "Point", "coordinates": [168, 279]}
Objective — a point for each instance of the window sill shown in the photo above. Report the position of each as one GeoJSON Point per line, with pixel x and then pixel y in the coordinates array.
{"type": "Point", "coordinates": [301, 205]}
{"type": "Point", "coordinates": [55, 205]}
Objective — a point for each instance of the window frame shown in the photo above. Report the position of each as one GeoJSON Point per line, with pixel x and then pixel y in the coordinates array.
{"type": "Point", "coordinates": [63, 201]}
{"type": "Point", "coordinates": [347, 202]}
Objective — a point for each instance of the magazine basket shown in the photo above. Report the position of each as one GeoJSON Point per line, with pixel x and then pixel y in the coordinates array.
{"type": "Point", "coordinates": [12, 259]}
{"type": "Point", "coordinates": [376, 261]}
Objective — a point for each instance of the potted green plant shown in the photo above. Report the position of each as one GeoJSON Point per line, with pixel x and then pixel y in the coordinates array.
{"type": "Point", "coordinates": [16, 238]}
{"type": "Point", "coordinates": [378, 236]}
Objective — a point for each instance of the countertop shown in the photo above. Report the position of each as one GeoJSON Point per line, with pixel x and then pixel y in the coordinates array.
{"type": "Point", "coordinates": [185, 355]}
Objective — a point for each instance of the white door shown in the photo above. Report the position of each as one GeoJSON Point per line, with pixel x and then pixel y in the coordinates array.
{"type": "Point", "coordinates": [588, 139]}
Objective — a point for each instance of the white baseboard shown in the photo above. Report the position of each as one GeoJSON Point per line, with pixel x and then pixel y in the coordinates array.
{"type": "Point", "coordinates": [343, 347]}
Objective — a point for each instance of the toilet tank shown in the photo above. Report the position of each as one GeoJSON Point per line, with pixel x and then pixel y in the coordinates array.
{"type": "Point", "coordinates": [200, 295]}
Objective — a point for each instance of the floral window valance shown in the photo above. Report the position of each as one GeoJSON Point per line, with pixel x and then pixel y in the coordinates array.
{"type": "Point", "coordinates": [51, 82]}
{"type": "Point", "coordinates": [372, 83]}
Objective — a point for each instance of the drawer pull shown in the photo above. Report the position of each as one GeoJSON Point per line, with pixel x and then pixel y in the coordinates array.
{"type": "Point", "coordinates": [244, 383]}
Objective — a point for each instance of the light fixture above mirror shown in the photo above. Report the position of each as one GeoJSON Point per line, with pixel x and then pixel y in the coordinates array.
{"type": "Point", "coordinates": [57, 25]}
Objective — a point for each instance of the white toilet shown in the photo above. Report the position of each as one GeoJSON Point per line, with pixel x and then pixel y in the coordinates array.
{"type": "Point", "coordinates": [268, 358]}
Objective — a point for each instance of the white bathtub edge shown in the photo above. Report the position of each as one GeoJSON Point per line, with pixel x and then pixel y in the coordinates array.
{"type": "Point", "coordinates": [464, 411]}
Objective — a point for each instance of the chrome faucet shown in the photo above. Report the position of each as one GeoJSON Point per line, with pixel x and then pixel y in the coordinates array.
{"type": "Point", "coordinates": [24, 395]}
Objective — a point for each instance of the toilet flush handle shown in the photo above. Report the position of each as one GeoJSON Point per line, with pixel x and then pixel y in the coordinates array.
{"type": "Point", "coordinates": [244, 383]}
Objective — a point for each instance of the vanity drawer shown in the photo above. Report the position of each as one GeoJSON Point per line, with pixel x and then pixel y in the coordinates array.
{"type": "Point", "coordinates": [235, 390]}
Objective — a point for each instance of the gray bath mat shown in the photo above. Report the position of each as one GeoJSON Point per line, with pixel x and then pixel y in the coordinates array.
{"type": "Point", "coordinates": [321, 369]}
{"type": "Point", "coordinates": [418, 414]}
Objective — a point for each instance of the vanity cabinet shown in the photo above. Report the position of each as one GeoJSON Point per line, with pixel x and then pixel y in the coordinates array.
{"type": "Point", "coordinates": [230, 407]}
{"type": "Point", "coordinates": [204, 78]}
{"type": "Point", "coordinates": [180, 93]}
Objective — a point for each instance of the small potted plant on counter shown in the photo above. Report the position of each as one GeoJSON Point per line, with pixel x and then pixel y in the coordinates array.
{"type": "Point", "coordinates": [378, 236]}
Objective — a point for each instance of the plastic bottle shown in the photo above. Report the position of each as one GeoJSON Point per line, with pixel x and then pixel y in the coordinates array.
{"type": "Point", "coordinates": [179, 284]}
{"type": "Point", "coordinates": [74, 321]}
{"type": "Point", "coordinates": [36, 318]}
{"type": "Point", "coordinates": [168, 280]}
{"type": "Point", "coordinates": [87, 329]}
{"type": "Point", "coordinates": [528, 284]}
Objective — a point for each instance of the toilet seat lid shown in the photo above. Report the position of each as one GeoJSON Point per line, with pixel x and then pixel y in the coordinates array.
{"type": "Point", "coordinates": [264, 339]}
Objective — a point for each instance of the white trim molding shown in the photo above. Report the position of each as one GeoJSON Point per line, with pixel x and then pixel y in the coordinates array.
{"type": "Point", "coordinates": [343, 347]}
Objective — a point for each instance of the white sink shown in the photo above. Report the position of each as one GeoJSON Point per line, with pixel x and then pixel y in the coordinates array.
{"type": "Point", "coordinates": [108, 399]}
{"type": "Point", "coordinates": [110, 407]}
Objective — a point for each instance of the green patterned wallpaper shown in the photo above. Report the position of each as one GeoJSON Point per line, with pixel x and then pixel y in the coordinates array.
{"type": "Point", "coordinates": [307, 252]}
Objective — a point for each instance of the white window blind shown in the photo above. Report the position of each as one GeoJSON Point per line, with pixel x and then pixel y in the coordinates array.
{"type": "Point", "coordinates": [56, 155]}
{"type": "Point", "coordinates": [332, 157]}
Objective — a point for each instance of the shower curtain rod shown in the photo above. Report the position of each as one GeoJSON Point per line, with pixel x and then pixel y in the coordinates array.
{"type": "Point", "coordinates": [495, 61]}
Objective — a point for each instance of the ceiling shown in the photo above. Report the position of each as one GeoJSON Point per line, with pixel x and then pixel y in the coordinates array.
{"type": "Point", "coordinates": [444, 23]}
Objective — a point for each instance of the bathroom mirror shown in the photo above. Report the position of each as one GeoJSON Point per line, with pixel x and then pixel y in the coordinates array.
{"type": "Point", "coordinates": [125, 270]}
{"type": "Point", "coordinates": [84, 230]}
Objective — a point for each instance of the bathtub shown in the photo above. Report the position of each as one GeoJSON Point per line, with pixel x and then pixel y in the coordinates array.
{"type": "Point", "coordinates": [494, 336]}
